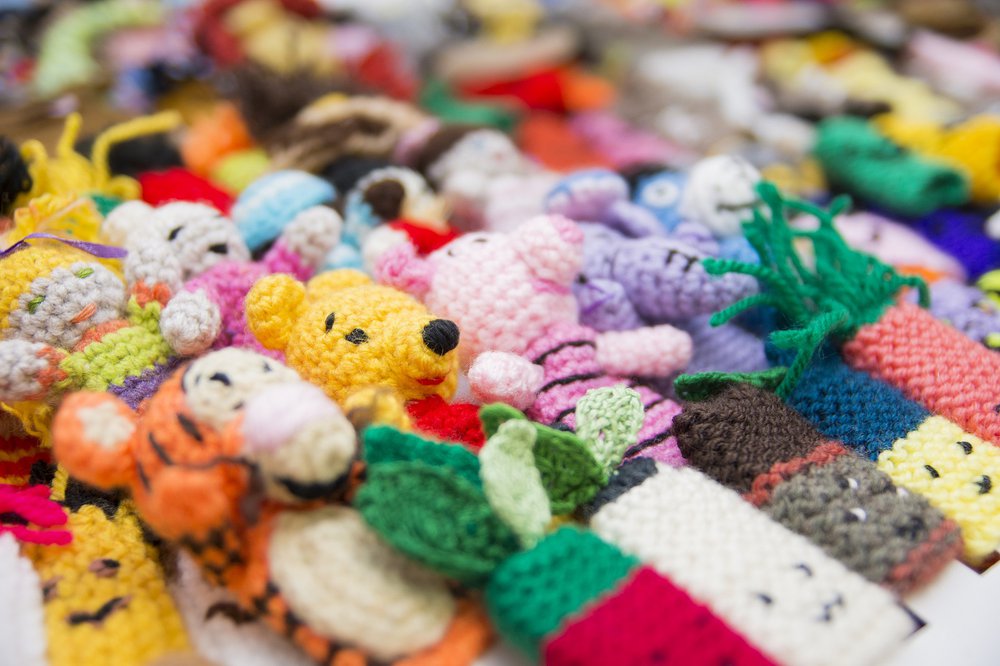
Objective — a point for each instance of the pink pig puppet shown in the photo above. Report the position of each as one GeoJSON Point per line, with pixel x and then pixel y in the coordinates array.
{"type": "Point", "coordinates": [522, 342]}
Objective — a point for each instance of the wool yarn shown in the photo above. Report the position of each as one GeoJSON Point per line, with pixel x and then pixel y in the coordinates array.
{"type": "Point", "coordinates": [816, 488]}
{"type": "Point", "coordinates": [179, 184]}
{"type": "Point", "coordinates": [210, 432]}
{"type": "Point", "coordinates": [213, 136]}
{"type": "Point", "coordinates": [966, 308]}
{"type": "Point", "coordinates": [959, 232]}
{"type": "Point", "coordinates": [132, 157]}
{"type": "Point", "coordinates": [14, 177]}
{"type": "Point", "coordinates": [264, 208]}
{"type": "Point", "coordinates": [343, 333]}
{"type": "Point", "coordinates": [527, 274]}
{"type": "Point", "coordinates": [23, 635]}
{"type": "Point", "coordinates": [106, 600]}
{"type": "Point", "coordinates": [237, 170]}
{"type": "Point", "coordinates": [773, 586]}
{"type": "Point", "coordinates": [726, 348]}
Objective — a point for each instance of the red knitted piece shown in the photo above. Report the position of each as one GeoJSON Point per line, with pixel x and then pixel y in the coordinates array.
{"type": "Point", "coordinates": [453, 423]}
{"type": "Point", "coordinates": [935, 365]}
{"type": "Point", "coordinates": [423, 239]}
{"type": "Point", "coordinates": [538, 91]}
{"type": "Point", "coordinates": [160, 187]}
{"type": "Point", "coordinates": [650, 621]}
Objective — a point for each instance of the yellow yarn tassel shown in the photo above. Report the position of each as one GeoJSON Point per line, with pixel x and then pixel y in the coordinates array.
{"type": "Point", "coordinates": [70, 173]}
{"type": "Point", "coordinates": [106, 599]}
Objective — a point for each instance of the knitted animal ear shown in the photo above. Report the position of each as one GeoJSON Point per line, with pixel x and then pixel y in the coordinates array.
{"type": "Point", "coordinates": [272, 307]}
{"type": "Point", "coordinates": [400, 267]}
{"type": "Point", "coordinates": [332, 281]}
{"type": "Point", "coordinates": [91, 438]}
{"type": "Point", "coordinates": [551, 246]}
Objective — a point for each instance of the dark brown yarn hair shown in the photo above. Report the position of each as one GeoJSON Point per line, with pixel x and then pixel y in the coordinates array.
{"type": "Point", "coordinates": [440, 143]}
{"type": "Point", "coordinates": [14, 176]}
{"type": "Point", "coordinates": [740, 433]}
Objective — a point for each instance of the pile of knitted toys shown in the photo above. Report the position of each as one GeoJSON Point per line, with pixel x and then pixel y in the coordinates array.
{"type": "Point", "coordinates": [362, 333]}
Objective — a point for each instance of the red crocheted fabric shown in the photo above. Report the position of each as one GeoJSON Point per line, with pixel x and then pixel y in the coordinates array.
{"type": "Point", "coordinates": [650, 621]}
{"type": "Point", "coordinates": [457, 423]}
{"type": "Point", "coordinates": [160, 187]}
{"type": "Point", "coordinates": [425, 240]}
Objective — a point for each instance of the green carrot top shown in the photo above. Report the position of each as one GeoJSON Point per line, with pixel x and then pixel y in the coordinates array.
{"type": "Point", "coordinates": [844, 290]}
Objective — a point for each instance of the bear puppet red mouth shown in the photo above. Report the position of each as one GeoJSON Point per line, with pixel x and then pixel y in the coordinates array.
{"type": "Point", "coordinates": [431, 381]}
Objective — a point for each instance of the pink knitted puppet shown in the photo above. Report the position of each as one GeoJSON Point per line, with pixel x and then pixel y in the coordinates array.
{"type": "Point", "coordinates": [521, 340]}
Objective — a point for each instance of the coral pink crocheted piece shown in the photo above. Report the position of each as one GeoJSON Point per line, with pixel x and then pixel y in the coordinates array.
{"type": "Point", "coordinates": [629, 628]}
{"type": "Point", "coordinates": [937, 366]}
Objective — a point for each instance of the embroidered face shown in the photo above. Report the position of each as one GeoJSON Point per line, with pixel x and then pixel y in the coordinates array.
{"type": "Point", "coordinates": [59, 308]}
{"type": "Point", "coordinates": [956, 472]}
{"type": "Point", "coordinates": [720, 194]}
{"type": "Point", "coordinates": [775, 587]}
{"type": "Point", "coordinates": [343, 333]}
{"type": "Point", "coordinates": [661, 194]}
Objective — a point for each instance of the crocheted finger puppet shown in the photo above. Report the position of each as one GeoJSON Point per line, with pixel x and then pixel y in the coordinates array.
{"type": "Point", "coordinates": [68, 322]}
{"type": "Point", "coordinates": [344, 333]}
{"type": "Point", "coordinates": [462, 162]}
{"type": "Point", "coordinates": [559, 593]}
{"type": "Point", "coordinates": [726, 348]}
{"type": "Point", "coordinates": [521, 341]}
{"type": "Point", "coordinates": [244, 466]}
{"type": "Point", "coordinates": [851, 298]}
{"type": "Point", "coordinates": [381, 196]}
{"type": "Point", "coordinates": [775, 587]}
{"type": "Point", "coordinates": [264, 209]}
{"type": "Point", "coordinates": [105, 594]}
{"type": "Point", "coordinates": [632, 274]}
{"type": "Point", "coordinates": [749, 440]}
{"type": "Point", "coordinates": [69, 173]}
{"type": "Point", "coordinates": [960, 232]}
{"type": "Point", "coordinates": [216, 263]}
{"type": "Point", "coordinates": [858, 159]}
{"type": "Point", "coordinates": [923, 453]}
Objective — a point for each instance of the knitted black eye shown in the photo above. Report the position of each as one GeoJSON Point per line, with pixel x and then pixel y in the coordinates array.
{"type": "Point", "coordinates": [966, 447]}
{"type": "Point", "coordinates": [173, 233]}
{"type": "Point", "coordinates": [765, 598]}
{"type": "Point", "coordinates": [581, 279]}
{"type": "Point", "coordinates": [330, 318]}
{"type": "Point", "coordinates": [985, 484]}
{"type": "Point", "coordinates": [357, 336]}
{"type": "Point", "coordinates": [933, 472]}
{"type": "Point", "coordinates": [805, 568]}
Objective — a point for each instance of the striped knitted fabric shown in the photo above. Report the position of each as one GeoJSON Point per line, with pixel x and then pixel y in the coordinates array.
{"type": "Point", "coordinates": [576, 600]}
{"type": "Point", "coordinates": [751, 441]}
{"type": "Point", "coordinates": [773, 586]}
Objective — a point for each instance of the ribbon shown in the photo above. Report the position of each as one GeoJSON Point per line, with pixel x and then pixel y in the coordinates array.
{"type": "Point", "coordinates": [96, 249]}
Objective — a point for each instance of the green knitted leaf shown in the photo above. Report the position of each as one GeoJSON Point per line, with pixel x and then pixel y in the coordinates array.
{"type": "Point", "coordinates": [383, 444]}
{"type": "Point", "coordinates": [570, 473]}
{"type": "Point", "coordinates": [438, 518]}
{"type": "Point", "coordinates": [105, 204]}
{"type": "Point", "coordinates": [608, 420]}
{"type": "Point", "coordinates": [512, 483]}
{"type": "Point", "coordinates": [494, 415]}
{"type": "Point", "coordinates": [534, 593]}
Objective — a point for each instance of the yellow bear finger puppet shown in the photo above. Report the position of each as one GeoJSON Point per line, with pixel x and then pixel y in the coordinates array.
{"type": "Point", "coordinates": [105, 599]}
{"type": "Point", "coordinates": [345, 334]}
{"type": "Point", "coordinates": [245, 466]}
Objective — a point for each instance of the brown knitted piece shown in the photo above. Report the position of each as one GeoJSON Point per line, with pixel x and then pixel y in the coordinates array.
{"type": "Point", "coordinates": [440, 143]}
{"type": "Point", "coordinates": [740, 433]}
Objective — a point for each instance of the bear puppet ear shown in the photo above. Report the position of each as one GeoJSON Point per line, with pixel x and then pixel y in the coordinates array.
{"type": "Point", "coordinates": [333, 281]}
{"type": "Point", "coordinates": [551, 246]}
{"type": "Point", "coordinates": [400, 267]}
{"type": "Point", "coordinates": [272, 308]}
{"type": "Point", "coordinates": [126, 219]}
{"type": "Point", "coordinates": [92, 439]}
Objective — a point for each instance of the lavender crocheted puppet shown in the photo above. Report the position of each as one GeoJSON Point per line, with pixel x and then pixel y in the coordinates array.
{"type": "Point", "coordinates": [968, 309]}
{"type": "Point", "coordinates": [215, 261]}
{"type": "Point", "coordinates": [633, 273]}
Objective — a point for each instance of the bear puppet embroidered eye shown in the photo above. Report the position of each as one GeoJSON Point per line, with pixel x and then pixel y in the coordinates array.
{"type": "Point", "coordinates": [330, 320]}
{"type": "Point", "coordinates": [356, 336]}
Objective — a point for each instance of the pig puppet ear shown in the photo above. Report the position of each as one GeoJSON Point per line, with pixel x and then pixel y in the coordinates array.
{"type": "Point", "coordinates": [551, 246]}
{"type": "Point", "coordinates": [400, 267]}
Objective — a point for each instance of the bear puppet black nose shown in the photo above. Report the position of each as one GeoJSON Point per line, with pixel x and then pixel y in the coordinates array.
{"type": "Point", "coordinates": [441, 336]}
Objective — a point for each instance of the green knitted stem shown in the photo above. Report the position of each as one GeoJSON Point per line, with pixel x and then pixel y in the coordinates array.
{"type": "Point", "coordinates": [858, 159]}
{"type": "Point", "coordinates": [384, 444]}
{"type": "Point", "coordinates": [436, 517]}
{"type": "Point", "coordinates": [845, 290]}
{"type": "Point", "coordinates": [533, 593]}
{"type": "Point", "coordinates": [570, 473]}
